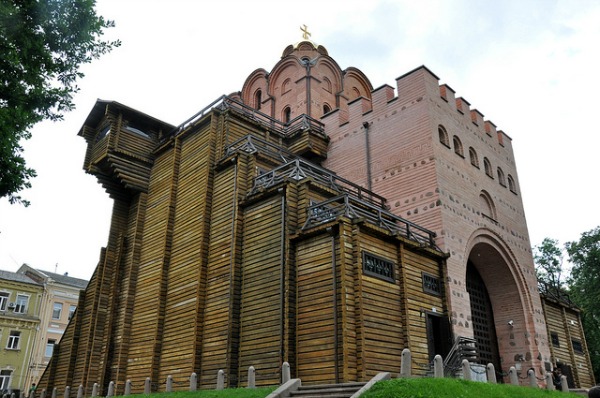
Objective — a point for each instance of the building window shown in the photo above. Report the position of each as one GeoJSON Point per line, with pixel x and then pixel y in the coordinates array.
{"type": "Point", "coordinates": [285, 87]}
{"type": "Point", "coordinates": [287, 114]}
{"type": "Point", "coordinates": [57, 310]}
{"type": "Point", "coordinates": [501, 178]}
{"type": "Point", "coordinates": [257, 98]}
{"type": "Point", "coordinates": [443, 136]}
{"type": "Point", "coordinates": [326, 109]}
{"type": "Point", "coordinates": [4, 300]}
{"type": "Point", "coordinates": [103, 132]}
{"type": "Point", "coordinates": [458, 148]}
{"type": "Point", "coordinates": [488, 167]}
{"type": "Point", "coordinates": [13, 340]}
{"type": "Point", "coordinates": [5, 379]}
{"type": "Point", "coordinates": [21, 304]}
{"type": "Point", "coordinates": [577, 346]}
{"type": "Point", "coordinates": [49, 348]}
{"type": "Point", "coordinates": [511, 184]}
{"type": "Point", "coordinates": [431, 284]}
{"type": "Point", "coordinates": [72, 309]}
{"type": "Point", "coordinates": [378, 267]}
{"type": "Point", "coordinates": [554, 339]}
{"type": "Point", "coordinates": [473, 157]}
{"type": "Point", "coordinates": [486, 205]}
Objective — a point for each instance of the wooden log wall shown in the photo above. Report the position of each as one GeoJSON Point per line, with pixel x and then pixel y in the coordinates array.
{"type": "Point", "coordinates": [566, 323]}
{"type": "Point", "coordinates": [262, 295]}
{"type": "Point", "coordinates": [418, 302]}
{"type": "Point", "coordinates": [316, 329]}
{"type": "Point", "coordinates": [380, 309]}
{"type": "Point", "coordinates": [148, 309]}
{"type": "Point", "coordinates": [197, 277]}
{"type": "Point", "coordinates": [187, 262]}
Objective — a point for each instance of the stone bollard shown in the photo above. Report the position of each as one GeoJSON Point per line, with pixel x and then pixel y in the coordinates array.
{"type": "Point", "coordinates": [13, 395]}
{"type": "Point", "coordinates": [491, 373]}
{"type": "Point", "coordinates": [220, 380]}
{"type": "Point", "coordinates": [285, 373]}
{"type": "Point", "coordinates": [67, 392]}
{"type": "Point", "coordinates": [147, 386]}
{"type": "Point", "coordinates": [127, 387]}
{"type": "Point", "coordinates": [95, 390]}
{"type": "Point", "coordinates": [80, 391]}
{"type": "Point", "coordinates": [43, 394]}
{"type": "Point", "coordinates": [438, 366]}
{"type": "Point", "coordinates": [111, 389]}
{"type": "Point", "coordinates": [531, 377]}
{"type": "Point", "coordinates": [564, 384]}
{"type": "Point", "coordinates": [193, 382]}
{"type": "Point", "coordinates": [169, 383]}
{"type": "Point", "coordinates": [405, 363]}
{"type": "Point", "coordinates": [54, 392]}
{"type": "Point", "coordinates": [549, 382]}
{"type": "Point", "coordinates": [512, 375]}
{"type": "Point", "coordinates": [251, 377]}
{"type": "Point", "coordinates": [466, 369]}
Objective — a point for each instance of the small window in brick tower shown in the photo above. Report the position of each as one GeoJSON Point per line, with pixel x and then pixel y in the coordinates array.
{"type": "Point", "coordinates": [287, 114]}
{"type": "Point", "coordinates": [257, 98]}
{"type": "Point", "coordinates": [443, 136]}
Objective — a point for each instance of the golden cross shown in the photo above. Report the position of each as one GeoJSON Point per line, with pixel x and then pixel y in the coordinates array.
{"type": "Point", "coordinates": [305, 32]}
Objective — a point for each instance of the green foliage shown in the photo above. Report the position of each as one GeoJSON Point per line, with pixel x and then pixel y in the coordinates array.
{"type": "Point", "coordinates": [584, 286]}
{"type": "Point", "coordinates": [548, 258]}
{"type": "Point", "coordinates": [455, 388]}
{"type": "Point", "coordinates": [43, 43]}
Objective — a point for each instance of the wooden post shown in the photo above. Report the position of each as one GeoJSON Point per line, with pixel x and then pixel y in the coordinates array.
{"type": "Point", "coordinates": [193, 382]}
{"type": "Point", "coordinates": [169, 383]}
{"type": "Point", "coordinates": [220, 380]}
{"type": "Point", "coordinates": [531, 376]}
{"type": "Point", "coordinates": [285, 373]}
{"type": "Point", "coordinates": [466, 369]}
{"type": "Point", "coordinates": [438, 366]}
{"type": "Point", "coordinates": [147, 386]}
{"type": "Point", "coordinates": [251, 377]}
{"type": "Point", "coordinates": [127, 387]}
{"type": "Point", "coordinates": [405, 364]}
{"type": "Point", "coordinates": [512, 375]}
{"type": "Point", "coordinates": [491, 373]}
{"type": "Point", "coordinates": [549, 382]}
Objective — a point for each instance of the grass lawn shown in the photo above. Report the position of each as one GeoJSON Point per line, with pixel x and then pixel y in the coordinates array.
{"type": "Point", "coordinates": [455, 388]}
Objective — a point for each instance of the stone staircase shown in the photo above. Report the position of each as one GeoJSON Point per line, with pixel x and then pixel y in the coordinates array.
{"type": "Point", "coordinates": [343, 390]}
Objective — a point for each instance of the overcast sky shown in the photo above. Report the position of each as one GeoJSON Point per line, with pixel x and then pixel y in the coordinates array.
{"type": "Point", "coordinates": [531, 67]}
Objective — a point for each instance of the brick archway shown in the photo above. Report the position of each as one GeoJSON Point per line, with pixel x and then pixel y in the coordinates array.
{"type": "Point", "coordinates": [503, 283]}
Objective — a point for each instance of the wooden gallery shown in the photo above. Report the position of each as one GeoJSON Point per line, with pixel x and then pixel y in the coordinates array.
{"type": "Point", "coordinates": [308, 219]}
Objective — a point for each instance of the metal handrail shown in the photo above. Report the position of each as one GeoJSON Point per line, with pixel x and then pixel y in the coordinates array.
{"type": "Point", "coordinates": [353, 207]}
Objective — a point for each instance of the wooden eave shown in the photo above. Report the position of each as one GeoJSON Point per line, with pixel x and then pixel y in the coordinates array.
{"type": "Point", "coordinates": [103, 107]}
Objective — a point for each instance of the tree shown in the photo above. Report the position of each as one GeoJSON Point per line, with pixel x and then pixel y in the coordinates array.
{"type": "Point", "coordinates": [548, 258]}
{"type": "Point", "coordinates": [43, 43]}
{"type": "Point", "coordinates": [584, 286]}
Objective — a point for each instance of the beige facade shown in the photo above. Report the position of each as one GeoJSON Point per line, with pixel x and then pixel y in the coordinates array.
{"type": "Point", "coordinates": [58, 304]}
{"type": "Point", "coordinates": [20, 306]}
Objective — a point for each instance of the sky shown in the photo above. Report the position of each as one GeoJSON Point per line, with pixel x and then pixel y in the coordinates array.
{"type": "Point", "coordinates": [530, 66]}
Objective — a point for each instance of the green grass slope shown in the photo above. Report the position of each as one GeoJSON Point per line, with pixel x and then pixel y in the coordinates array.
{"type": "Point", "coordinates": [455, 388]}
